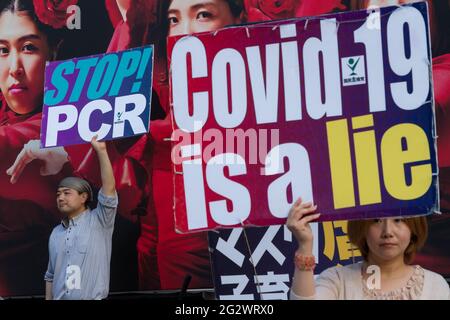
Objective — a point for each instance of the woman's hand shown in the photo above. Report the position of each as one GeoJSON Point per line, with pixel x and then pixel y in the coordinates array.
{"type": "Point", "coordinates": [300, 215]}
{"type": "Point", "coordinates": [53, 158]}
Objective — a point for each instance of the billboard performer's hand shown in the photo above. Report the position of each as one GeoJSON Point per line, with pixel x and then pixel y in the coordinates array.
{"type": "Point", "coordinates": [53, 159]}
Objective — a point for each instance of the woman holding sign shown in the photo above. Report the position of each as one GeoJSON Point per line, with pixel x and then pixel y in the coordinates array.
{"type": "Point", "coordinates": [388, 246]}
{"type": "Point", "coordinates": [28, 38]}
{"type": "Point", "coordinates": [435, 253]}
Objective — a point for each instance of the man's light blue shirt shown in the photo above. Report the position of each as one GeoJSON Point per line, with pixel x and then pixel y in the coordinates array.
{"type": "Point", "coordinates": [80, 253]}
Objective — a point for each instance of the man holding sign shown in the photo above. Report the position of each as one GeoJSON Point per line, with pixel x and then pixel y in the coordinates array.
{"type": "Point", "coordinates": [80, 247]}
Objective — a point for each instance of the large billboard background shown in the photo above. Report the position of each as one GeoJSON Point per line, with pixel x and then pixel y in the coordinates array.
{"type": "Point", "coordinates": [28, 213]}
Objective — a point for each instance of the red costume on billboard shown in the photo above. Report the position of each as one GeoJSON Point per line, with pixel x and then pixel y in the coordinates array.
{"type": "Point", "coordinates": [27, 211]}
{"type": "Point", "coordinates": [165, 257]}
{"type": "Point", "coordinates": [441, 79]}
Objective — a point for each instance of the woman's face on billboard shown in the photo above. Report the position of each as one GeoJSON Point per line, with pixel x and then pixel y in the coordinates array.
{"type": "Point", "coordinates": [192, 16]}
{"type": "Point", "coordinates": [23, 53]}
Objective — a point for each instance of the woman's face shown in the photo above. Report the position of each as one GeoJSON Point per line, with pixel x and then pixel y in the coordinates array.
{"type": "Point", "coordinates": [23, 53]}
{"type": "Point", "coordinates": [191, 16]}
{"type": "Point", "coordinates": [388, 239]}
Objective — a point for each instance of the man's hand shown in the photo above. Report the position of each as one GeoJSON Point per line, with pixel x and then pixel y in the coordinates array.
{"type": "Point", "coordinates": [99, 146]}
{"type": "Point", "coordinates": [53, 158]}
{"type": "Point", "coordinates": [108, 182]}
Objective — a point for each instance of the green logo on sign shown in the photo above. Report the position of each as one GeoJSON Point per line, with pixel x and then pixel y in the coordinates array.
{"type": "Point", "coordinates": [352, 65]}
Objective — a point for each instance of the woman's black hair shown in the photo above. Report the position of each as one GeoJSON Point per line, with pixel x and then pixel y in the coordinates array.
{"type": "Point", "coordinates": [236, 6]}
{"type": "Point", "coordinates": [54, 36]}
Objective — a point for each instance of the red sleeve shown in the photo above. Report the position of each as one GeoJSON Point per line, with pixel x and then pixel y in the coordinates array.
{"type": "Point", "coordinates": [31, 185]}
{"type": "Point", "coordinates": [15, 135]}
{"type": "Point", "coordinates": [441, 79]}
{"type": "Point", "coordinates": [113, 12]}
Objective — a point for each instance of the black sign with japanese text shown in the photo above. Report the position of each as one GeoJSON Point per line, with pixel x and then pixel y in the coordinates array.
{"type": "Point", "coordinates": [245, 260]}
